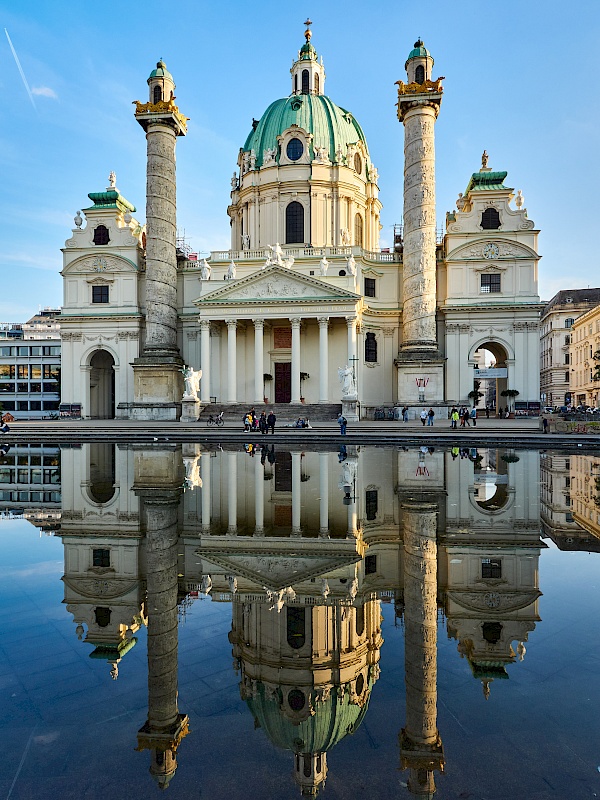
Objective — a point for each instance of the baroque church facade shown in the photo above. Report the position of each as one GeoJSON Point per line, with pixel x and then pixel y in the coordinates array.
{"type": "Point", "coordinates": [305, 291]}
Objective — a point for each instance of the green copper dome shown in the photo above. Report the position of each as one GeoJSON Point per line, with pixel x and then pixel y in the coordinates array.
{"type": "Point", "coordinates": [330, 125]}
{"type": "Point", "coordinates": [332, 721]}
{"type": "Point", "coordinates": [161, 71]}
{"type": "Point", "coordinates": [418, 51]}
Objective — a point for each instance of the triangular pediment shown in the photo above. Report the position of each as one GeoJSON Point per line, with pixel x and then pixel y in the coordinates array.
{"type": "Point", "coordinates": [278, 285]}
{"type": "Point", "coordinates": [283, 564]}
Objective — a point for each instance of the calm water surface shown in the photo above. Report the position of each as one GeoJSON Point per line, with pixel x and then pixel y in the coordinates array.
{"type": "Point", "coordinates": [365, 623]}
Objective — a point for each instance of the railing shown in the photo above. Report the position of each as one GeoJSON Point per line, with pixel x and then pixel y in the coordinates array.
{"type": "Point", "coordinates": [299, 252]}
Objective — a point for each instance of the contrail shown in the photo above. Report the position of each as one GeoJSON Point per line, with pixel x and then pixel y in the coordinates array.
{"type": "Point", "coordinates": [20, 68]}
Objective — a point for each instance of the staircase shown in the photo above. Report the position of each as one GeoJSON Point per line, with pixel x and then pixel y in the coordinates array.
{"type": "Point", "coordinates": [285, 412]}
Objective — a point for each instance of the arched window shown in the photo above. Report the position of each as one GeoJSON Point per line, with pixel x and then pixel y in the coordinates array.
{"type": "Point", "coordinates": [360, 621]}
{"type": "Point", "coordinates": [317, 84]}
{"type": "Point", "coordinates": [102, 616]}
{"type": "Point", "coordinates": [370, 348]}
{"type": "Point", "coordinates": [295, 83]}
{"type": "Point", "coordinates": [101, 235]}
{"type": "Point", "coordinates": [358, 230]}
{"type": "Point", "coordinates": [157, 95]}
{"type": "Point", "coordinates": [294, 223]}
{"type": "Point", "coordinates": [420, 74]}
{"type": "Point", "coordinates": [305, 81]}
{"type": "Point", "coordinates": [490, 220]}
{"type": "Point", "coordinates": [492, 632]}
{"type": "Point", "coordinates": [296, 626]}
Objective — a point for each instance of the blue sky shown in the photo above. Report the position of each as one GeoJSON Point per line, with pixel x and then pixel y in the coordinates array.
{"type": "Point", "coordinates": [520, 82]}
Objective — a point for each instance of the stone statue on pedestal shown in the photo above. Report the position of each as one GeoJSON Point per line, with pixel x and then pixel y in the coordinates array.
{"type": "Point", "coordinates": [192, 383]}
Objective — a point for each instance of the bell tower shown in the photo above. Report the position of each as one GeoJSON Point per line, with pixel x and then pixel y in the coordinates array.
{"type": "Point", "coordinates": [419, 362]}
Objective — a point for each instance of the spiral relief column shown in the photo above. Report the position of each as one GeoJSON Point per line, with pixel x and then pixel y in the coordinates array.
{"type": "Point", "coordinates": [158, 383]}
{"type": "Point", "coordinates": [419, 362]}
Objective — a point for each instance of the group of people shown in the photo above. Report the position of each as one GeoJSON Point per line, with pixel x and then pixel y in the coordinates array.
{"type": "Point", "coordinates": [464, 415]}
{"type": "Point", "coordinates": [262, 422]}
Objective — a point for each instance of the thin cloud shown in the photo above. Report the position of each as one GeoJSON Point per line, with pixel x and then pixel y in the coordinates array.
{"type": "Point", "coordinates": [44, 91]}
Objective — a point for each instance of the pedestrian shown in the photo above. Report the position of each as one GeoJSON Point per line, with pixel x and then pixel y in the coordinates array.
{"type": "Point", "coordinates": [271, 419]}
{"type": "Point", "coordinates": [487, 412]}
{"type": "Point", "coordinates": [247, 422]}
{"type": "Point", "coordinates": [4, 428]}
{"type": "Point", "coordinates": [454, 418]}
{"type": "Point", "coordinates": [405, 414]}
{"type": "Point", "coordinates": [342, 422]}
{"type": "Point", "coordinates": [466, 417]}
{"type": "Point", "coordinates": [430, 416]}
{"type": "Point", "coordinates": [423, 416]}
{"type": "Point", "coordinates": [474, 417]}
{"type": "Point", "coordinates": [262, 422]}
{"type": "Point", "coordinates": [545, 424]}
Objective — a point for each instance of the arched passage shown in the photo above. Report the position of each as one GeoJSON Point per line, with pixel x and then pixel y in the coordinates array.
{"type": "Point", "coordinates": [102, 385]}
{"type": "Point", "coordinates": [492, 357]}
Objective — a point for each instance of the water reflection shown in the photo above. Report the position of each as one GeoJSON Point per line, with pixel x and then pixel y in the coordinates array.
{"type": "Point", "coordinates": [305, 546]}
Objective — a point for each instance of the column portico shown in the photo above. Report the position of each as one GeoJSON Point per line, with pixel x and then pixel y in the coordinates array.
{"type": "Point", "coordinates": [323, 359]}
{"type": "Point", "coordinates": [259, 325]}
{"type": "Point", "coordinates": [295, 323]}
{"type": "Point", "coordinates": [205, 361]}
{"type": "Point", "coordinates": [231, 361]}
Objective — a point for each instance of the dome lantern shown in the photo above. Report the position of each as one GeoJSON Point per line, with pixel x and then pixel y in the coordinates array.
{"type": "Point", "coordinates": [161, 85]}
{"type": "Point", "coordinates": [308, 74]}
{"type": "Point", "coordinates": [419, 63]}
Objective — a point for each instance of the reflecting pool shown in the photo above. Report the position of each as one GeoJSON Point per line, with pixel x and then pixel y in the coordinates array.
{"type": "Point", "coordinates": [368, 622]}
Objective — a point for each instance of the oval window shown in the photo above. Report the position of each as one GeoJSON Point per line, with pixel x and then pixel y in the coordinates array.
{"type": "Point", "coordinates": [294, 150]}
{"type": "Point", "coordinates": [296, 700]}
{"type": "Point", "coordinates": [358, 163]}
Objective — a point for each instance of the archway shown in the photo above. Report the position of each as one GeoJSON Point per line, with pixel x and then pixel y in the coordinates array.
{"type": "Point", "coordinates": [491, 370]}
{"type": "Point", "coordinates": [101, 457]}
{"type": "Point", "coordinates": [102, 385]}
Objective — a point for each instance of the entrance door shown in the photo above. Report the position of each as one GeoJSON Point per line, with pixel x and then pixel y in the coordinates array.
{"type": "Point", "coordinates": [283, 382]}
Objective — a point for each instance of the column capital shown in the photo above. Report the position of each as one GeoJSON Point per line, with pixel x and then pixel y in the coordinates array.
{"type": "Point", "coordinates": [351, 321]}
{"type": "Point", "coordinates": [231, 324]}
{"type": "Point", "coordinates": [259, 324]}
{"type": "Point", "coordinates": [295, 322]}
{"type": "Point", "coordinates": [205, 325]}
{"type": "Point", "coordinates": [323, 322]}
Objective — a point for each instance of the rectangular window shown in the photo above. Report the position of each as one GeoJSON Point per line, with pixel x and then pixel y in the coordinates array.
{"type": "Point", "coordinates": [7, 475]}
{"type": "Point", "coordinates": [23, 351]}
{"type": "Point", "coordinates": [52, 351]}
{"type": "Point", "coordinates": [51, 371]}
{"type": "Point", "coordinates": [36, 351]}
{"type": "Point", "coordinates": [35, 405]}
{"type": "Point", "coordinates": [7, 387]}
{"type": "Point", "coordinates": [35, 387]}
{"type": "Point", "coordinates": [36, 372]}
{"type": "Point", "coordinates": [8, 405]}
{"type": "Point", "coordinates": [101, 558]}
{"type": "Point", "coordinates": [7, 371]}
{"type": "Point", "coordinates": [22, 405]}
{"type": "Point", "coordinates": [51, 405]}
{"type": "Point", "coordinates": [490, 283]}
{"type": "Point", "coordinates": [22, 476]}
{"type": "Point", "coordinates": [371, 504]}
{"type": "Point", "coordinates": [7, 351]}
{"type": "Point", "coordinates": [22, 388]}
{"type": "Point", "coordinates": [567, 376]}
{"type": "Point", "coordinates": [23, 371]}
{"type": "Point", "coordinates": [50, 387]}
{"type": "Point", "coordinates": [369, 287]}
{"type": "Point", "coordinates": [567, 358]}
{"type": "Point", "coordinates": [567, 483]}
{"type": "Point", "coordinates": [370, 565]}
{"type": "Point", "coordinates": [491, 568]}
{"type": "Point", "coordinates": [99, 294]}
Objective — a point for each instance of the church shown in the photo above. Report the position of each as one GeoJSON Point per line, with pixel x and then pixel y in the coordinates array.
{"type": "Point", "coordinates": [305, 309]}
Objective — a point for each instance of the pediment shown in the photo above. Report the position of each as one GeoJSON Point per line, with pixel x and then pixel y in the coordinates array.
{"type": "Point", "coordinates": [278, 285]}
{"type": "Point", "coordinates": [99, 264]}
{"type": "Point", "coordinates": [101, 587]}
{"type": "Point", "coordinates": [507, 249]}
{"type": "Point", "coordinates": [492, 600]}
{"type": "Point", "coordinates": [285, 565]}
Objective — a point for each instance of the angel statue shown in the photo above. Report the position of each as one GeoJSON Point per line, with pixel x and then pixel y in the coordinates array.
{"type": "Point", "coordinates": [351, 265]}
{"type": "Point", "coordinates": [276, 256]}
{"type": "Point", "coordinates": [205, 270]}
{"type": "Point", "coordinates": [192, 382]}
{"type": "Point", "coordinates": [192, 472]}
{"type": "Point", "coordinates": [323, 266]}
{"type": "Point", "coordinates": [346, 376]}
{"type": "Point", "coordinates": [231, 271]}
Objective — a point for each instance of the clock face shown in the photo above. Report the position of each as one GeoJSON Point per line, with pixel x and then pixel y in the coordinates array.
{"type": "Point", "coordinates": [492, 599]}
{"type": "Point", "coordinates": [100, 264]}
{"type": "Point", "coordinates": [491, 251]}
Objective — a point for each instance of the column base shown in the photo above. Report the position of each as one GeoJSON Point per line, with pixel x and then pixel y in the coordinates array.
{"type": "Point", "coordinates": [420, 377]}
{"type": "Point", "coordinates": [157, 389]}
{"type": "Point", "coordinates": [190, 410]}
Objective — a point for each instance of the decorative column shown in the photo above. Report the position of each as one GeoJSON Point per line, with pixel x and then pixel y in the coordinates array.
{"type": "Point", "coordinates": [295, 323]}
{"type": "Point", "coordinates": [158, 383]}
{"type": "Point", "coordinates": [296, 494]}
{"type": "Point", "coordinates": [323, 494]}
{"type": "Point", "coordinates": [421, 749]}
{"type": "Point", "coordinates": [165, 727]}
{"type": "Point", "coordinates": [418, 106]}
{"type": "Point", "coordinates": [206, 498]}
{"type": "Point", "coordinates": [259, 498]}
{"type": "Point", "coordinates": [259, 369]}
{"type": "Point", "coordinates": [351, 323]}
{"type": "Point", "coordinates": [231, 361]}
{"type": "Point", "coordinates": [205, 361]}
{"type": "Point", "coordinates": [232, 493]}
{"type": "Point", "coordinates": [323, 359]}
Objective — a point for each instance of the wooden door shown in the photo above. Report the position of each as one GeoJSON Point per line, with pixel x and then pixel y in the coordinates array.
{"type": "Point", "coordinates": [283, 382]}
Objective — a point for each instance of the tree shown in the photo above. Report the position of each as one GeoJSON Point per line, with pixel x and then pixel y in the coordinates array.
{"type": "Point", "coordinates": [511, 394]}
{"type": "Point", "coordinates": [475, 394]}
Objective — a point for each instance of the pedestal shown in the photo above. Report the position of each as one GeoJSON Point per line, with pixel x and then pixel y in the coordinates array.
{"type": "Point", "coordinates": [190, 409]}
{"type": "Point", "coordinates": [350, 408]}
{"type": "Point", "coordinates": [420, 380]}
{"type": "Point", "coordinates": [158, 387]}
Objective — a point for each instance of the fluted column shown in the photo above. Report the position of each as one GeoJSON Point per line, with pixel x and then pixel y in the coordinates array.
{"type": "Point", "coordinates": [295, 323]}
{"type": "Point", "coordinates": [259, 497]}
{"type": "Point", "coordinates": [323, 493]}
{"type": "Point", "coordinates": [232, 493]}
{"type": "Point", "coordinates": [205, 361]}
{"type": "Point", "coordinates": [296, 494]}
{"type": "Point", "coordinates": [323, 359]}
{"type": "Point", "coordinates": [205, 466]}
{"type": "Point", "coordinates": [231, 361]}
{"type": "Point", "coordinates": [259, 369]}
{"type": "Point", "coordinates": [351, 323]}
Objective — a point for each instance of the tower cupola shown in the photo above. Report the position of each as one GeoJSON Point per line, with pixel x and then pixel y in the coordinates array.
{"type": "Point", "coordinates": [308, 74]}
{"type": "Point", "coordinates": [161, 84]}
{"type": "Point", "coordinates": [419, 64]}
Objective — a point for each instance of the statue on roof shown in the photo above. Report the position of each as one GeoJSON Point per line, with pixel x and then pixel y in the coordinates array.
{"type": "Point", "coordinates": [484, 159]}
{"type": "Point", "coordinates": [112, 179]}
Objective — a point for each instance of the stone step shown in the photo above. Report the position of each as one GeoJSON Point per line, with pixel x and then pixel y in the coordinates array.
{"type": "Point", "coordinates": [285, 412]}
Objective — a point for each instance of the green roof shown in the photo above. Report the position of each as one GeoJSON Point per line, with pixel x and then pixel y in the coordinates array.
{"type": "Point", "coordinates": [486, 181]}
{"type": "Point", "coordinates": [332, 721]}
{"type": "Point", "coordinates": [112, 652]}
{"type": "Point", "coordinates": [418, 51]}
{"type": "Point", "coordinates": [109, 199]}
{"type": "Point", "coordinates": [161, 71]}
{"type": "Point", "coordinates": [330, 125]}
{"type": "Point", "coordinates": [308, 52]}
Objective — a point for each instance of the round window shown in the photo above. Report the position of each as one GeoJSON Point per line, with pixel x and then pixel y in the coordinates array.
{"type": "Point", "coordinates": [358, 163]}
{"type": "Point", "coordinates": [296, 699]}
{"type": "Point", "coordinates": [294, 150]}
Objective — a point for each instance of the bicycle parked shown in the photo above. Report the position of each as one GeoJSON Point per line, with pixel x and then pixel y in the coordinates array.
{"type": "Point", "coordinates": [218, 420]}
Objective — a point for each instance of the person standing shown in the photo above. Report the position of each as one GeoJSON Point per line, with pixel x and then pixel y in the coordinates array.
{"type": "Point", "coordinates": [430, 416]}
{"type": "Point", "coordinates": [474, 417]}
{"type": "Point", "coordinates": [271, 419]}
{"type": "Point", "coordinates": [545, 424]}
{"type": "Point", "coordinates": [487, 412]}
{"type": "Point", "coordinates": [454, 418]}
{"type": "Point", "coordinates": [423, 416]}
{"type": "Point", "coordinates": [342, 422]}
{"type": "Point", "coordinates": [262, 422]}
{"type": "Point", "coordinates": [405, 414]}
